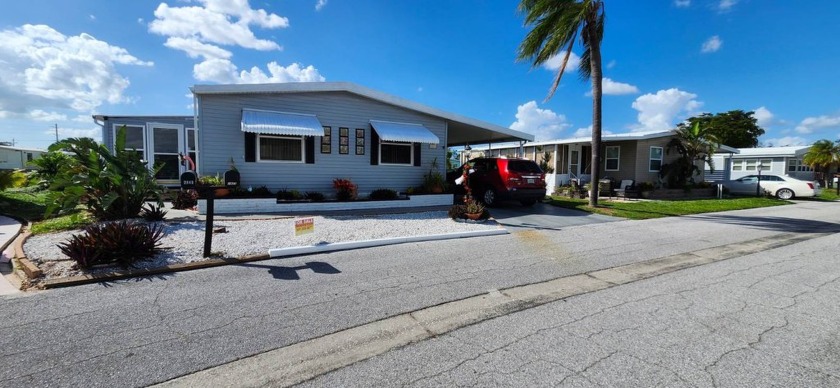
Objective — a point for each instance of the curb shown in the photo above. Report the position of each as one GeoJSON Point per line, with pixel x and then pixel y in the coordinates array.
{"type": "Point", "coordinates": [20, 229]}
{"type": "Point", "coordinates": [282, 252]}
{"type": "Point", "coordinates": [341, 246]}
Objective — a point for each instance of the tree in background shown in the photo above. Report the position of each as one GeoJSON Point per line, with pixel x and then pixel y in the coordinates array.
{"type": "Point", "coordinates": [545, 161]}
{"type": "Point", "coordinates": [735, 128]}
{"type": "Point", "coordinates": [556, 26]}
{"type": "Point", "coordinates": [822, 154]}
{"type": "Point", "coordinates": [694, 144]}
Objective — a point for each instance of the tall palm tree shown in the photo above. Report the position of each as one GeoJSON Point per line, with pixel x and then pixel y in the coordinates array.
{"type": "Point", "coordinates": [822, 154]}
{"type": "Point", "coordinates": [556, 27]}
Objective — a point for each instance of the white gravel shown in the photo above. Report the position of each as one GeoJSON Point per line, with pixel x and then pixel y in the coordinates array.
{"type": "Point", "coordinates": [185, 240]}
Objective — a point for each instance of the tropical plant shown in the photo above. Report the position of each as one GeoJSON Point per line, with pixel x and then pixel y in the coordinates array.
{"type": "Point", "coordinates": [556, 27]}
{"type": "Point", "coordinates": [185, 199]}
{"type": "Point", "coordinates": [457, 211]}
{"type": "Point", "coordinates": [314, 196]}
{"type": "Point", "coordinates": [110, 186]}
{"type": "Point", "coordinates": [545, 163]}
{"type": "Point", "coordinates": [694, 144]}
{"type": "Point", "coordinates": [289, 195]}
{"type": "Point", "coordinates": [821, 155]}
{"type": "Point", "coordinates": [345, 189]}
{"type": "Point", "coordinates": [48, 165]}
{"type": "Point", "coordinates": [123, 242]}
{"type": "Point", "coordinates": [153, 213]}
{"type": "Point", "coordinates": [12, 178]}
{"type": "Point", "coordinates": [210, 180]}
{"type": "Point", "coordinates": [474, 207]}
{"type": "Point", "coordinates": [434, 182]}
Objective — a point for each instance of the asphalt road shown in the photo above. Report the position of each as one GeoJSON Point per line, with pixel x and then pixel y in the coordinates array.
{"type": "Point", "coordinates": [139, 332]}
{"type": "Point", "coordinates": [542, 216]}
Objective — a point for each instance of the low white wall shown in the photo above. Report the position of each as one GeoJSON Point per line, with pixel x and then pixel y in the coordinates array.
{"type": "Point", "coordinates": [270, 205]}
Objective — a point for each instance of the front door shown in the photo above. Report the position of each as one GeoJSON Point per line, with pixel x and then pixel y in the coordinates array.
{"type": "Point", "coordinates": [165, 142]}
{"type": "Point", "coordinates": [574, 164]}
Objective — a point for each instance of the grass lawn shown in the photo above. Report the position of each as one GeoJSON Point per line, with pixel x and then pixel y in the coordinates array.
{"type": "Point", "coordinates": [30, 205]}
{"type": "Point", "coordinates": [829, 194]}
{"type": "Point", "coordinates": [641, 210]}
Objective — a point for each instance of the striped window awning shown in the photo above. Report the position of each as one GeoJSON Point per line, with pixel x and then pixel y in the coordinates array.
{"type": "Point", "coordinates": [280, 123]}
{"type": "Point", "coordinates": [404, 132]}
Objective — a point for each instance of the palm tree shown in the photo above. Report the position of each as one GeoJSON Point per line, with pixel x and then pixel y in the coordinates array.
{"type": "Point", "coordinates": [694, 144]}
{"type": "Point", "coordinates": [556, 26]}
{"type": "Point", "coordinates": [822, 154]}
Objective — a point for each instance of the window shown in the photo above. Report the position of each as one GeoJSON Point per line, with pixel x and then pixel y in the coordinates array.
{"type": "Point", "coordinates": [655, 163]}
{"type": "Point", "coordinates": [360, 141]}
{"type": "Point", "coordinates": [28, 156]}
{"type": "Point", "coordinates": [135, 139]}
{"type": "Point", "coordinates": [737, 165]}
{"type": "Point", "coordinates": [613, 154]}
{"type": "Point", "coordinates": [752, 164]}
{"type": "Point", "coordinates": [796, 165]}
{"type": "Point", "coordinates": [280, 149]}
{"type": "Point", "coordinates": [396, 153]}
{"type": "Point", "coordinates": [326, 141]}
{"type": "Point", "coordinates": [344, 140]}
{"type": "Point", "coordinates": [192, 145]}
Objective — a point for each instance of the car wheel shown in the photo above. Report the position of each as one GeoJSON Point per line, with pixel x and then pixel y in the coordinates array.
{"type": "Point", "coordinates": [528, 202]}
{"type": "Point", "coordinates": [784, 194]}
{"type": "Point", "coordinates": [489, 197]}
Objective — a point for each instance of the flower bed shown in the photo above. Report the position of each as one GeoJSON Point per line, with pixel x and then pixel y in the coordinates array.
{"type": "Point", "coordinates": [271, 205]}
{"type": "Point", "coordinates": [682, 193]}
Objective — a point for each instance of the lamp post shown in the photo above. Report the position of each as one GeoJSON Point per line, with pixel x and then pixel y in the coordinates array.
{"type": "Point", "coordinates": [758, 184]}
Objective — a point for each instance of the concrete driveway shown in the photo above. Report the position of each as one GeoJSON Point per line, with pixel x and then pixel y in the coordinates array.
{"type": "Point", "coordinates": [543, 216]}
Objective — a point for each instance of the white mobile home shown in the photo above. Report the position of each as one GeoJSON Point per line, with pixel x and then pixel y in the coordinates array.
{"type": "Point", "coordinates": [12, 158]}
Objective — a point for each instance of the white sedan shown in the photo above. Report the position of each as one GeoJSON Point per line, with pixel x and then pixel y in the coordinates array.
{"type": "Point", "coordinates": [781, 186]}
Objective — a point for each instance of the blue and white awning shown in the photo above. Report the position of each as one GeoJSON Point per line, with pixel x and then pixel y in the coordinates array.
{"type": "Point", "coordinates": [277, 123]}
{"type": "Point", "coordinates": [404, 132]}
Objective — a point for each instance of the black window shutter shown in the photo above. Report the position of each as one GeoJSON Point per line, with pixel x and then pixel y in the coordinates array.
{"type": "Point", "coordinates": [417, 160]}
{"type": "Point", "coordinates": [309, 149]}
{"type": "Point", "coordinates": [374, 147]}
{"type": "Point", "coordinates": [250, 147]}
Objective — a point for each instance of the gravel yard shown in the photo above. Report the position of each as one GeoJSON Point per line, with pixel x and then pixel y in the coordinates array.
{"type": "Point", "coordinates": [185, 239]}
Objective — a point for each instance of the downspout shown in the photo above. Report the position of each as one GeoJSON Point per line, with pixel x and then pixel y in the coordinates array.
{"type": "Point", "coordinates": [198, 135]}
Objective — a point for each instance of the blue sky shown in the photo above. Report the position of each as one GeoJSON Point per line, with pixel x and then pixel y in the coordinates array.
{"type": "Point", "coordinates": [664, 61]}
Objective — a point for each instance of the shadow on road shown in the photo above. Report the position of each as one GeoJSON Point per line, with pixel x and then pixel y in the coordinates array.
{"type": "Point", "coordinates": [290, 273]}
{"type": "Point", "coordinates": [781, 224]}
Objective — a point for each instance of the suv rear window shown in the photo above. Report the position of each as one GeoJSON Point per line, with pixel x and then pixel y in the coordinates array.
{"type": "Point", "coordinates": [523, 166]}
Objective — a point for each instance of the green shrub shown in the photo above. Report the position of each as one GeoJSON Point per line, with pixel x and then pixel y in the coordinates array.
{"type": "Point", "coordinates": [153, 213]}
{"type": "Point", "coordinates": [48, 165]}
{"type": "Point", "coordinates": [457, 212]}
{"type": "Point", "coordinates": [123, 242]}
{"type": "Point", "coordinates": [314, 196]}
{"type": "Point", "coordinates": [289, 195]}
{"type": "Point", "coordinates": [185, 199]}
{"type": "Point", "coordinates": [262, 191]}
{"type": "Point", "coordinates": [12, 179]}
{"type": "Point", "coordinates": [383, 195]}
{"type": "Point", "coordinates": [110, 186]}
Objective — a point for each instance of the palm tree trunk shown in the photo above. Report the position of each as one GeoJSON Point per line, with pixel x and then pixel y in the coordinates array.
{"type": "Point", "coordinates": [595, 63]}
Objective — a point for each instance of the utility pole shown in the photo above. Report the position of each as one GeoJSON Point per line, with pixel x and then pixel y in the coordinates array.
{"type": "Point", "coordinates": [56, 132]}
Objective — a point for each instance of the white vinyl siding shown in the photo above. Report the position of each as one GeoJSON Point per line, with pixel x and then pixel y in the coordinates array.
{"type": "Point", "coordinates": [280, 149]}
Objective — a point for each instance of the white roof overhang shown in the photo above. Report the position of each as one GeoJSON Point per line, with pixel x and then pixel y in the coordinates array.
{"type": "Point", "coordinates": [280, 123]}
{"type": "Point", "coordinates": [404, 132]}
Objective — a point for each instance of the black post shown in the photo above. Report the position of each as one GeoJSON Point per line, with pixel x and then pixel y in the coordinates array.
{"type": "Point", "coordinates": [208, 225]}
{"type": "Point", "coordinates": [758, 184]}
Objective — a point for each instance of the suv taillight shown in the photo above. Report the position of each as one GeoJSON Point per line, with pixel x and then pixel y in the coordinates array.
{"type": "Point", "coordinates": [514, 178]}
{"type": "Point", "coordinates": [811, 185]}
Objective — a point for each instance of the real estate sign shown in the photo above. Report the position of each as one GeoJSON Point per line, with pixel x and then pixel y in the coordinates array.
{"type": "Point", "coordinates": [304, 226]}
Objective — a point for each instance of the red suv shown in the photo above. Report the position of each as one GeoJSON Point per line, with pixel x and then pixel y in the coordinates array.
{"type": "Point", "coordinates": [497, 179]}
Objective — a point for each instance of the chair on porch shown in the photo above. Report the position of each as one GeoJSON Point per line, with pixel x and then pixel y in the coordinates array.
{"type": "Point", "coordinates": [626, 188]}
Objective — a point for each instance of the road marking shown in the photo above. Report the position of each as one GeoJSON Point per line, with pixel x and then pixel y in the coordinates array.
{"type": "Point", "coordinates": [306, 360]}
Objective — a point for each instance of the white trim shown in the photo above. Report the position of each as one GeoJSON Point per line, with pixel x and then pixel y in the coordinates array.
{"type": "Point", "coordinates": [302, 149]}
{"type": "Point", "coordinates": [661, 157]}
{"type": "Point", "coordinates": [411, 152]}
{"type": "Point", "coordinates": [150, 142]}
{"type": "Point", "coordinates": [617, 159]}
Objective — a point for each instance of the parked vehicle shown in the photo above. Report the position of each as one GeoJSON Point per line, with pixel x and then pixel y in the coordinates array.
{"type": "Point", "coordinates": [781, 186]}
{"type": "Point", "coordinates": [496, 179]}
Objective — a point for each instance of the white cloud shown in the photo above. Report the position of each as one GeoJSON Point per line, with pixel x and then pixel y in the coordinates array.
{"type": "Point", "coordinates": [682, 3]}
{"type": "Point", "coordinates": [44, 70]}
{"type": "Point", "coordinates": [659, 111]}
{"type": "Point", "coordinates": [556, 61]}
{"type": "Point", "coordinates": [40, 115]}
{"type": "Point", "coordinates": [140, 21]}
{"type": "Point", "coordinates": [320, 4]}
{"type": "Point", "coordinates": [94, 132]}
{"type": "Point", "coordinates": [611, 64]}
{"type": "Point", "coordinates": [223, 71]}
{"type": "Point", "coordinates": [196, 49]}
{"type": "Point", "coordinates": [542, 123]}
{"type": "Point", "coordinates": [809, 124]}
{"type": "Point", "coordinates": [614, 88]}
{"type": "Point", "coordinates": [92, 17]}
{"type": "Point", "coordinates": [786, 141]}
{"type": "Point", "coordinates": [763, 116]}
{"type": "Point", "coordinates": [726, 5]}
{"type": "Point", "coordinates": [711, 45]}
{"type": "Point", "coordinates": [587, 132]}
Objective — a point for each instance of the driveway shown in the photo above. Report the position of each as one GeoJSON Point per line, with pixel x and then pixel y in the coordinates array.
{"type": "Point", "coordinates": [543, 216]}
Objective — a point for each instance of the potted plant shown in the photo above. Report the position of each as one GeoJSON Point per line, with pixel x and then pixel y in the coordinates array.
{"type": "Point", "coordinates": [474, 210]}
{"type": "Point", "coordinates": [434, 182]}
{"type": "Point", "coordinates": [645, 188]}
{"type": "Point", "coordinates": [207, 181]}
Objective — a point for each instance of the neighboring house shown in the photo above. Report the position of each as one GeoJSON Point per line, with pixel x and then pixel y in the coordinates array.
{"type": "Point", "coordinates": [15, 158]}
{"type": "Point", "coordinates": [771, 160]}
{"type": "Point", "coordinates": [158, 139]}
{"type": "Point", "coordinates": [636, 155]}
{"type": "Point", "coordinates": [301, 136]}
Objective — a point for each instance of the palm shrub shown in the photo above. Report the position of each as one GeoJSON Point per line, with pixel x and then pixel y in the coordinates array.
{"type": "Point", "coordinates": [48, 165]}
{"type": "Point", "coordinates": [383, 195]}
{"type": "Point", "coordinates": [122, 242]}
{"type": "Point", "coordinates": [153, 213]}
{"type": "Point", "coordinates": [111, 186]}
{"type": "Point", "coordinates": [12, 178]}
{"type": "Point", "coordinates": [185, 199]}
